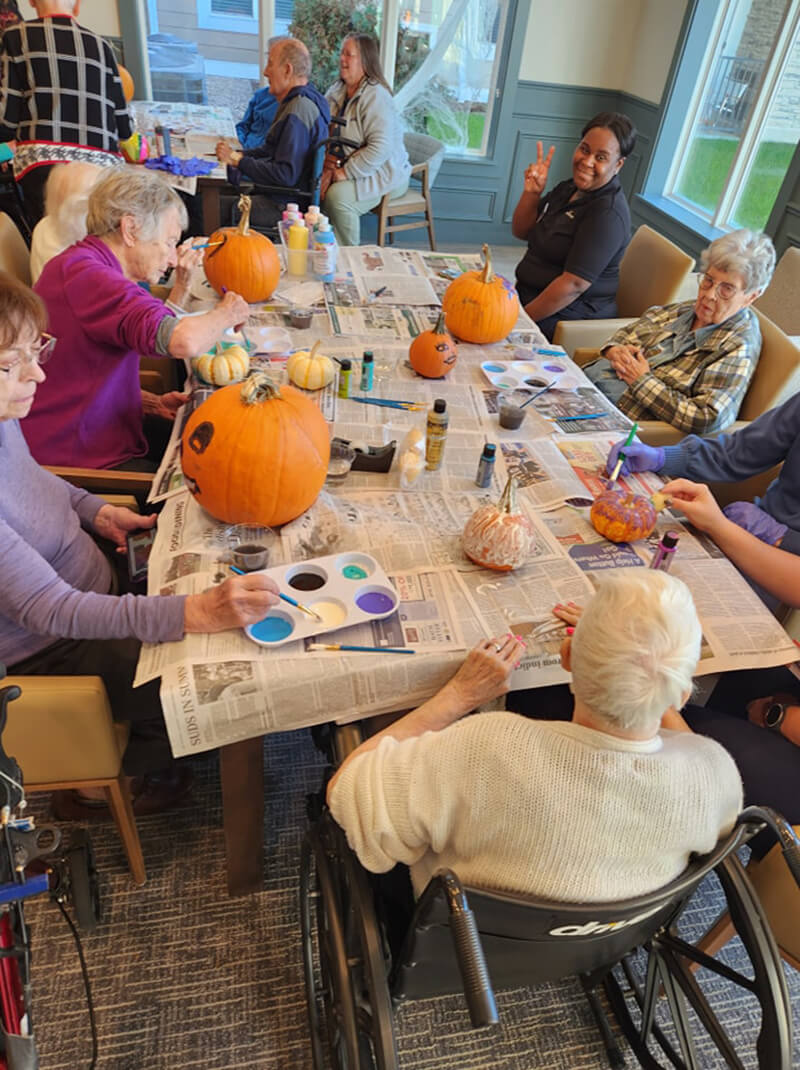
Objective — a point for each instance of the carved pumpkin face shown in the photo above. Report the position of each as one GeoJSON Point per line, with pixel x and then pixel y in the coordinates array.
{"type": "Point", "coordinates": [480, 307]}
{"type": "Point", "coordinates": [244, 261]}
{"type": "Point", "coordinates": [433, 353]}
{"type": "Point", "coordinates": [254, 453]}
{"type": "Point", "coordinates": [621, 516]}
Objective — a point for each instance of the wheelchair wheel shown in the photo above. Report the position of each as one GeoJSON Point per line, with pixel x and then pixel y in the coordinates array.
{"type": "Point", "coordinates": [84, 890]}
{"type": "Point", "coordinates": [700, 998]}
{"type": "Point", "coordinates": [349, 1006]}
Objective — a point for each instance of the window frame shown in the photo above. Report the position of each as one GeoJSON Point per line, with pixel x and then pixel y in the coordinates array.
{"type": "Point", "coordinates": [208, 19]}
{"type": "Point", "coordinates": [704, 24]}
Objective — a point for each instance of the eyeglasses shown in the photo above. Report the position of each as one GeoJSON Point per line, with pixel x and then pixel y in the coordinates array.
{"type": "Point", "coordinates": [37, 353]}
{"type": "Point", "coordinates": [726, 290]}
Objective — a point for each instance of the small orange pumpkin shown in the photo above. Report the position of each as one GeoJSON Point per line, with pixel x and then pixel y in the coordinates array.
{"type": "Point", "coordinates": [255, 453]}
{"type": "Point", "coordinates": [622, 516]}
{"type": "Point", "coordinates": [244, 262]}
{"type": "Point", "coordinates": [433, 353]}
{"type": "Point", "coordinates": [499, 536]}
{"type": "Point", "coordinates": [480, 307]}
{"type": "Point", "coordinates": [128, 88]}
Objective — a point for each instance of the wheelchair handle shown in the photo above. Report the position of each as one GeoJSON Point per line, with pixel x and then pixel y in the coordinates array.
{"type": "Point", "coordinates": [469, 954]}
{"type": "Point", "coordinates": [783, 831]}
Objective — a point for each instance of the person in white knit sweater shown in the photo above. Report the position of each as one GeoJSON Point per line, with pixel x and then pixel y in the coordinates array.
{"type": "Point", "coordinates": [606, 806]}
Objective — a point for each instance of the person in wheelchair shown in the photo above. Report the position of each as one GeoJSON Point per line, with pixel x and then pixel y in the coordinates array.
{"type": "Point", "coordinates": [607, 806]}
{"type": "Point", "coordinates": [286, 158]}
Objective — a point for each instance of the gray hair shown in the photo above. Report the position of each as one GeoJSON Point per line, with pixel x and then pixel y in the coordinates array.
{"type": "Point", "coordinates": [635, 649]}
{"type": "Point", "coordinates": [134, 192]}
{"type": "Point", "coordinates": [295, 53]}
{"type": "Point", "coordinates": [748, 253]}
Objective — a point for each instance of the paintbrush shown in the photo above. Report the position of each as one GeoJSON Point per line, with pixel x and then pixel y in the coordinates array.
{"type": "Point", "coordinates": [285, 598]}
{"type": "Point", "coordinates": [369, 649]}
{"type": "Point", "coordinates": [390, 403]}
{"type": "Point", "coordinates": [208, 245]}
{"type": "Point", "coordinates": [538, 394]}
{"type": "Point", "coordinates": [621, 456]}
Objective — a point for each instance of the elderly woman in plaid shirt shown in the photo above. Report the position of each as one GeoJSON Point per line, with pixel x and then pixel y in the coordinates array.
{"type": "Point", "coordinates": [691, 363]}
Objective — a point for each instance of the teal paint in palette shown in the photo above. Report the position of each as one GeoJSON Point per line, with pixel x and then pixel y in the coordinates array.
{"type": "Point", "coordinates": [344, 589]}
{"type": "Point", "coordinates": [533, 374]}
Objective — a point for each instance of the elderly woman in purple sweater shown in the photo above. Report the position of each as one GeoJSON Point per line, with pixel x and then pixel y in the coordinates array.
{"type": "Point", "coordinates": [91, 411]}
{"type": "Point", "coordinates": [58, 614]}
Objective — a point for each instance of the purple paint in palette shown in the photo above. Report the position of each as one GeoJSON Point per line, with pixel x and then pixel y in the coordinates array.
{"type": "Point", "coordinates": [558, 368]}
{"type": "Point", "coordinates": [376, 602]}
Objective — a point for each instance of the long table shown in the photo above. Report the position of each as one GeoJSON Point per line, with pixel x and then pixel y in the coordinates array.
{"type": "Point", "coordinates": [223, 691]}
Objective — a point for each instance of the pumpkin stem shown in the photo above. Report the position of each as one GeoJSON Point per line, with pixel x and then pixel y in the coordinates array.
{"type": "Point", "coordinates": [258, 388]}
{"type": "Point", "coordinates": [440, 327]}
{"type": "Point", "coordinates": [314, 348]}
{"type": "Point", "coordinates": [487, 264]}
{"type": "Point", "coordinates": [244, 207]}
{"type": "Point", "coordinates": [508, 499]}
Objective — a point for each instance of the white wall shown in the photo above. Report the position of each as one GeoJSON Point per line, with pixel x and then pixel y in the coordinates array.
{"type": "Point", "coordinates": [101, 16]}
{"type": "Point", "coordinates": [609, 44]}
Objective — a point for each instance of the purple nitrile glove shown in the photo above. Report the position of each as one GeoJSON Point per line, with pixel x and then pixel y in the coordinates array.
{"type": "Point", "coordinates": [756, 521]}
{"type": "Point", "coordinates": [638, 458]}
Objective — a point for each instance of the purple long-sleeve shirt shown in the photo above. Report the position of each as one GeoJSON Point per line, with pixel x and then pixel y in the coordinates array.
{"type": "Point", "coordinates": [54, 578]}
{"type": "Point", "coordinates": [88, 412]}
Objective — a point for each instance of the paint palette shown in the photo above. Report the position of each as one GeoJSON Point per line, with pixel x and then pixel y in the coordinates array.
{"type": "Point", "coordinates": [344, 589]}
{"type": "Point", "coordinates": [531, 374]}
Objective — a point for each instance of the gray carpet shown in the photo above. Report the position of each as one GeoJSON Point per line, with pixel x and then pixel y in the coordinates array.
{"type": "Point", "coordinates": [185, 977]}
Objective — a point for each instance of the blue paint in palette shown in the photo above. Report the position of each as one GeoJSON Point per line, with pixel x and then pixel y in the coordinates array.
{"type": "Point", "coordinates": [354, 572]}
{"type": "Point", "coordinates": [495, 367]}
{"type": "Point", "coordinates": [271, 629]}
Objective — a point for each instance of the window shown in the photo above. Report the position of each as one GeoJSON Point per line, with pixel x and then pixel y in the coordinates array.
{"type": "Point", "coordinates": [447, 67]}
{"type": "Point", "coordinates": [743, 121]}
{"type": "Point", "coordinates": [233, 7]}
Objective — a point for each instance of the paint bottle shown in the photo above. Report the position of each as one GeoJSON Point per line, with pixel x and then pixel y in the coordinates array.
{"type": "Point", "coordinates": [367, 368]}
{"type": "Point", "coordinates": [297, 252]}
{"type": "Point", "coordinates": [665, 551]}
{"type": "Point", "coordinates": [435, 435]}
{"type": "Point", "coordinates": [312, 216]}
{"type": "Point", "coordinates": [486, 466]}
{"type": "Point", "coordinates": [345, 369]}
{"type": "Point", "coordinates": [325, 251]}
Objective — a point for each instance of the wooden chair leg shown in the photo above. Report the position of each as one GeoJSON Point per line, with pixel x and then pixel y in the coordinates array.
{"type": "Point", "coordinates": [429, 218]}
{"type": "Point", "coordinates": [118, 796]}
{"type": "Point", "coordinates": [381, 225]}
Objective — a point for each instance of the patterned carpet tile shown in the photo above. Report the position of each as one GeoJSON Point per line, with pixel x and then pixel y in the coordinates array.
{"type": "Point", "coordinates": [185, 977]}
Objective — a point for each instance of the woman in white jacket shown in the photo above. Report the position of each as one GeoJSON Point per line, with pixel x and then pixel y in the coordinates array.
{"type": "Point", "coordinates": [362, 97]}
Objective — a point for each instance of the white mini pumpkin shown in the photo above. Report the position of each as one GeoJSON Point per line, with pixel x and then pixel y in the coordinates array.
{"type": "Point", "coordinates": [499, 536]}
{"type": "Point", "coordinates": [224, 366]}
{"type": "Point", "coordinates": [310, 370]}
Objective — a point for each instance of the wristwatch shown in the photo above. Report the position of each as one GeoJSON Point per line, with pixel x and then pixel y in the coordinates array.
{"type": "Point", "coordinates": [774, 716]}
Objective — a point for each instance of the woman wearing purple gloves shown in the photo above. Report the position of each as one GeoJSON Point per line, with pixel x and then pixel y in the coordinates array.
{"type": "Point", "coordinates": [773, 438]}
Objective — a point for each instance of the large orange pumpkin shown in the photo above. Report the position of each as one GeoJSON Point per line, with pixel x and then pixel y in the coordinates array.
{"type": "Point", "coordinates": [128, 88]}
{"type": "Point", "coordinates": [622, 516]}
{"type": "Point", "coordinates": [244, 262]}
{"type": "Point", "coordinates": [499, 536]}
{"type": "Point", "coordinates": [255, 453]}
{"type": "Point", "coordinates": [480, 307]}
{"type": "Point", "coordinates": [433, 353]}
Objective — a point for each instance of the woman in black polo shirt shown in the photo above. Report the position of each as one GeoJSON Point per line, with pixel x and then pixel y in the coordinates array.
{"type": "Point", "coordinates": [577, 233]}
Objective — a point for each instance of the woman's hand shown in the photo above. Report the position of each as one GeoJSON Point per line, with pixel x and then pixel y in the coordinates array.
{"type": "Point", "coordinates": [697, 503]}
{"type": "Point", "coordinates": [189, 258]}
{"type": "Point", "coordinates": [226, 154]}
{"type": "Point", "coordinates": [235, 309]}
{"type": "Point", "coordinates": [629, 362]}
{"type": "Point", "coordinates": [485, 672]}
{"type": "Point", "coordinates": [164, 405]}
{"type": "Point", "coordinates": [114, 522]}
{"type": "Point", "coordinates": [535, 178]}
{"type": "Point", "coordinates": [569, 613]}
{"type": "Point", "coordinates": [238, 601]}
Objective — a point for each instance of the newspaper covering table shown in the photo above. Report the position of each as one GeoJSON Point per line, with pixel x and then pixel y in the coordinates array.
{"type": "Point", "coordinates": [219, 689]}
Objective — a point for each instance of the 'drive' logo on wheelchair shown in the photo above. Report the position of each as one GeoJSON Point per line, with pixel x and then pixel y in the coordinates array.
{"type": "Point", "coordinates": [594, 928]}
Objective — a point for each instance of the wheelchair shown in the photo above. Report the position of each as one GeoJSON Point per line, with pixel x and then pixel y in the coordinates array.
{"type": "Point", "coordinates": [632, 952]}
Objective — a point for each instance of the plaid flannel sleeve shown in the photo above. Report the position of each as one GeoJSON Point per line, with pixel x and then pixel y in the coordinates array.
{"type": "Point", "coordinates": [714, 402]}
{"type": "Point", "coordinates": [641, 332]}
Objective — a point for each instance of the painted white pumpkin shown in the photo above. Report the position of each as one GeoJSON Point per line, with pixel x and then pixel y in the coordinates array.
{"type": "Point", "coordinates": [499, 536]}
{"type": "Point", "coordinates": [310, 370]}
{"type": "Point", "coordinates": [224, 366]}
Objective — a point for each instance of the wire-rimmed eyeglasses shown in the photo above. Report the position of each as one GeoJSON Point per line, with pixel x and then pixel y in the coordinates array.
{"type": "Point", "coordinates": [726, 290]}
{"type": "Point", "coordinates": [36, 353]}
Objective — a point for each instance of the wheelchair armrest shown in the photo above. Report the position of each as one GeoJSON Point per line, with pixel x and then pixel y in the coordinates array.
{"type": "Point", "coordinates": [783, 831]}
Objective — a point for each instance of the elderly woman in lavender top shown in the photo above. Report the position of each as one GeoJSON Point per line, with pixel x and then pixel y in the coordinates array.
{"type": "Point", "coordinates": [58, 614]}
{"type": "Point", "coordinates": [91, 411]}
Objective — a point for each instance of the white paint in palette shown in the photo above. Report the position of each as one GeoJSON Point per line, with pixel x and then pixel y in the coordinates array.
{"type": "Point", "coordinates": [532, 374]}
